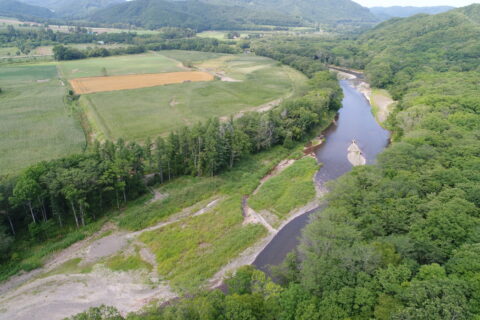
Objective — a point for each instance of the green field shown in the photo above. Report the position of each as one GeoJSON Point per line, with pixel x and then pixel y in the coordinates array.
{"type": "Point", "coordinates": [149, 112]}
{"type": "Point", "coordinates": [291, 189]}
{"type": "Point", "coordinates": [194, 249]}
{"type": "Point", "coordinates": [35, 124]}
{"type": "Point", "coordinates": [119, 65]}
{"type": "Point", "coordinates": [8, 51]}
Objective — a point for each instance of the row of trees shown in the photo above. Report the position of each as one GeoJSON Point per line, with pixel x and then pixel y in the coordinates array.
{"type": "Point", "coordinates": [62, 52]}
{"type": "Point", "coordinates": [27, 40]}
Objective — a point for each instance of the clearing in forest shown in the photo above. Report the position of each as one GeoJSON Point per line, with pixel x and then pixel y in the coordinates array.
{"type": "Point", "coordinates": [135, 81]}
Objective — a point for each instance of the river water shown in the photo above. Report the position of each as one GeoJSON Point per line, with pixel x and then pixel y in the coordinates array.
{"type": "Point", "coordinates": [355, 121]}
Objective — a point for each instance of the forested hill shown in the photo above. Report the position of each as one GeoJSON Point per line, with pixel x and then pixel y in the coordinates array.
{"type": "Point", "coordinates": [190, 14]}
{"type": "Point", "coordinates": [396, 49]}
{"type": "Point", "coordinates": [321, 11]}
{"type": "Point", "coordinates": [73, 8]}
{"type": "Point", "coordinates": [18, 9]}
{"type": "Point", "coordinates": [385, 13]}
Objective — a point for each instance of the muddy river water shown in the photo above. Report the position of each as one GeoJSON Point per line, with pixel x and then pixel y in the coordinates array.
{"type": "Point", "coordinates": [355, 122]}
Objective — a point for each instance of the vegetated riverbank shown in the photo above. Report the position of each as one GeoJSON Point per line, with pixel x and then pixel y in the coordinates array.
{"type": "Point", "coordinates": [355, 122]}
{"type": "Point", "coordinates": [380, 99]}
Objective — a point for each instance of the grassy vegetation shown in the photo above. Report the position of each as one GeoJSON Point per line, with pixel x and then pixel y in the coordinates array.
{"type": "Point", "coordinates": [35, 123]}
{"type": "Point", "coordinates": [70, 267]}
{"type": "Point", "coordinates": [127, 263]}
{"type": "Point", "coordinates": [32, 257]}
{"type": "Point", "coordinates": [290, 189]}
{"type": "Point", "coordinates": [220, 35]}
{"type": "Point", "coordinates": [118, 65]}
{"type": "Point", "coordinates": [8, 51]}
{"type": "Point", "coordinates": [194, 249]}
{"type": "Point", "coordinates": [137, 114]}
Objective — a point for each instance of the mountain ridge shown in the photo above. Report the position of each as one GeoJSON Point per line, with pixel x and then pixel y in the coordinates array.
{"type": "Point", "coordinates": [20, 9]}
{"type": "Point", "coordinates": [385, 13]}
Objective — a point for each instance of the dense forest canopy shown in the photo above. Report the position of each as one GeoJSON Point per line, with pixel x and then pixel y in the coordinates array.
{"type": "Point", "coordinates": [73, 8]}
{"type": "Point", "coordinates": [319, 11]}
{"type": "Point", "coordinates": [198, 15]}
{"type": "Point", "coordinates": [189, 14]}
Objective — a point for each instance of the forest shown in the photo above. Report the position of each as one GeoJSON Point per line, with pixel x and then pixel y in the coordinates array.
{"type": "Point", "coordinates": [399, 240]}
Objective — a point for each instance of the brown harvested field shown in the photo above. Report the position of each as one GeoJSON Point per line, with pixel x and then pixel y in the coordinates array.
{"type": "Point", "coordinates": [135, 81]}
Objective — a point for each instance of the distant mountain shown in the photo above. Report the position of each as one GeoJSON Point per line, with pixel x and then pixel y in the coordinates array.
{"type": "Point", "coordinates": [385, 13]}
{"type": "Point", "coordinates": [13, 8]}
{"type": "Point", "coordinates": [73, 8]}
{"type": "Point", "coordinates": [321, 11]}
{"type": "Point", "coordinates": [189, 14]}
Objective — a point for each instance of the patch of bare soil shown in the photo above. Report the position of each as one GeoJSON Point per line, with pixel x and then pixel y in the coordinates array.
{"type": "Point", "coordinates": [157, 196]}
{"type": "Point", "coordinates": [63, 295]}
{"type": "Point", "coordinates": [37, 295]}
{"type": "Point", "coordinates": [173, 102]}
{"type": "Point", "coordinates": [384, 104]}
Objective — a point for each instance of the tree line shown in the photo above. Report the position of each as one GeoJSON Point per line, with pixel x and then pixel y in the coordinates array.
{"type": "Point", "coordinates": [142, 45]}
{"type": "Point", "coordinates": [27, 40]}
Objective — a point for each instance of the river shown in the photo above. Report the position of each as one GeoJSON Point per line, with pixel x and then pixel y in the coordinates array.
{"type": "Point", "coordinates": [355, 122]}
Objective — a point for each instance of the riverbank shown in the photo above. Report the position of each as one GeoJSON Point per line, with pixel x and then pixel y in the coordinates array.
{"type": "Point", "coordinates": [380, 99]}
{"type": "Point", "coordinates": [355, 123]}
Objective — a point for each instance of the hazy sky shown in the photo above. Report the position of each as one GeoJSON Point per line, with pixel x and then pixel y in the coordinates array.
{"type": "Point", "coordinates": [416, 3]}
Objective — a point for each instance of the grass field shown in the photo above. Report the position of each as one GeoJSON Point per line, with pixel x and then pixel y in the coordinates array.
{"type": "Point", "coordinates": [287, 191]}
{"type": "Point", "coordinates": [149, 112]}
{"type": "Point", "coordinates": [220, 35]}
{"type": "Point", "coordinates": [35, 124]}
{"type": "Point", "coordinates": [119, 65]}
{"type": "Point", "coordinates": [8, 51]}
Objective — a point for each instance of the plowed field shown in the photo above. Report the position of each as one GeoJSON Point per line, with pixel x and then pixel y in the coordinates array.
{"type": "Point", "coordinates": [135, 81]}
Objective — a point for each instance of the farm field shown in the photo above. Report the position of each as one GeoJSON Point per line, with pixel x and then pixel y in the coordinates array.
{"type": "Point", "coordinates": [35, 125]}
{"type": "Point", "coordinates": [118, 65]}
{"type": "Point", "coordinates": [248, 82]}
{"type": "Point", "coordinates": [135, 81]}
